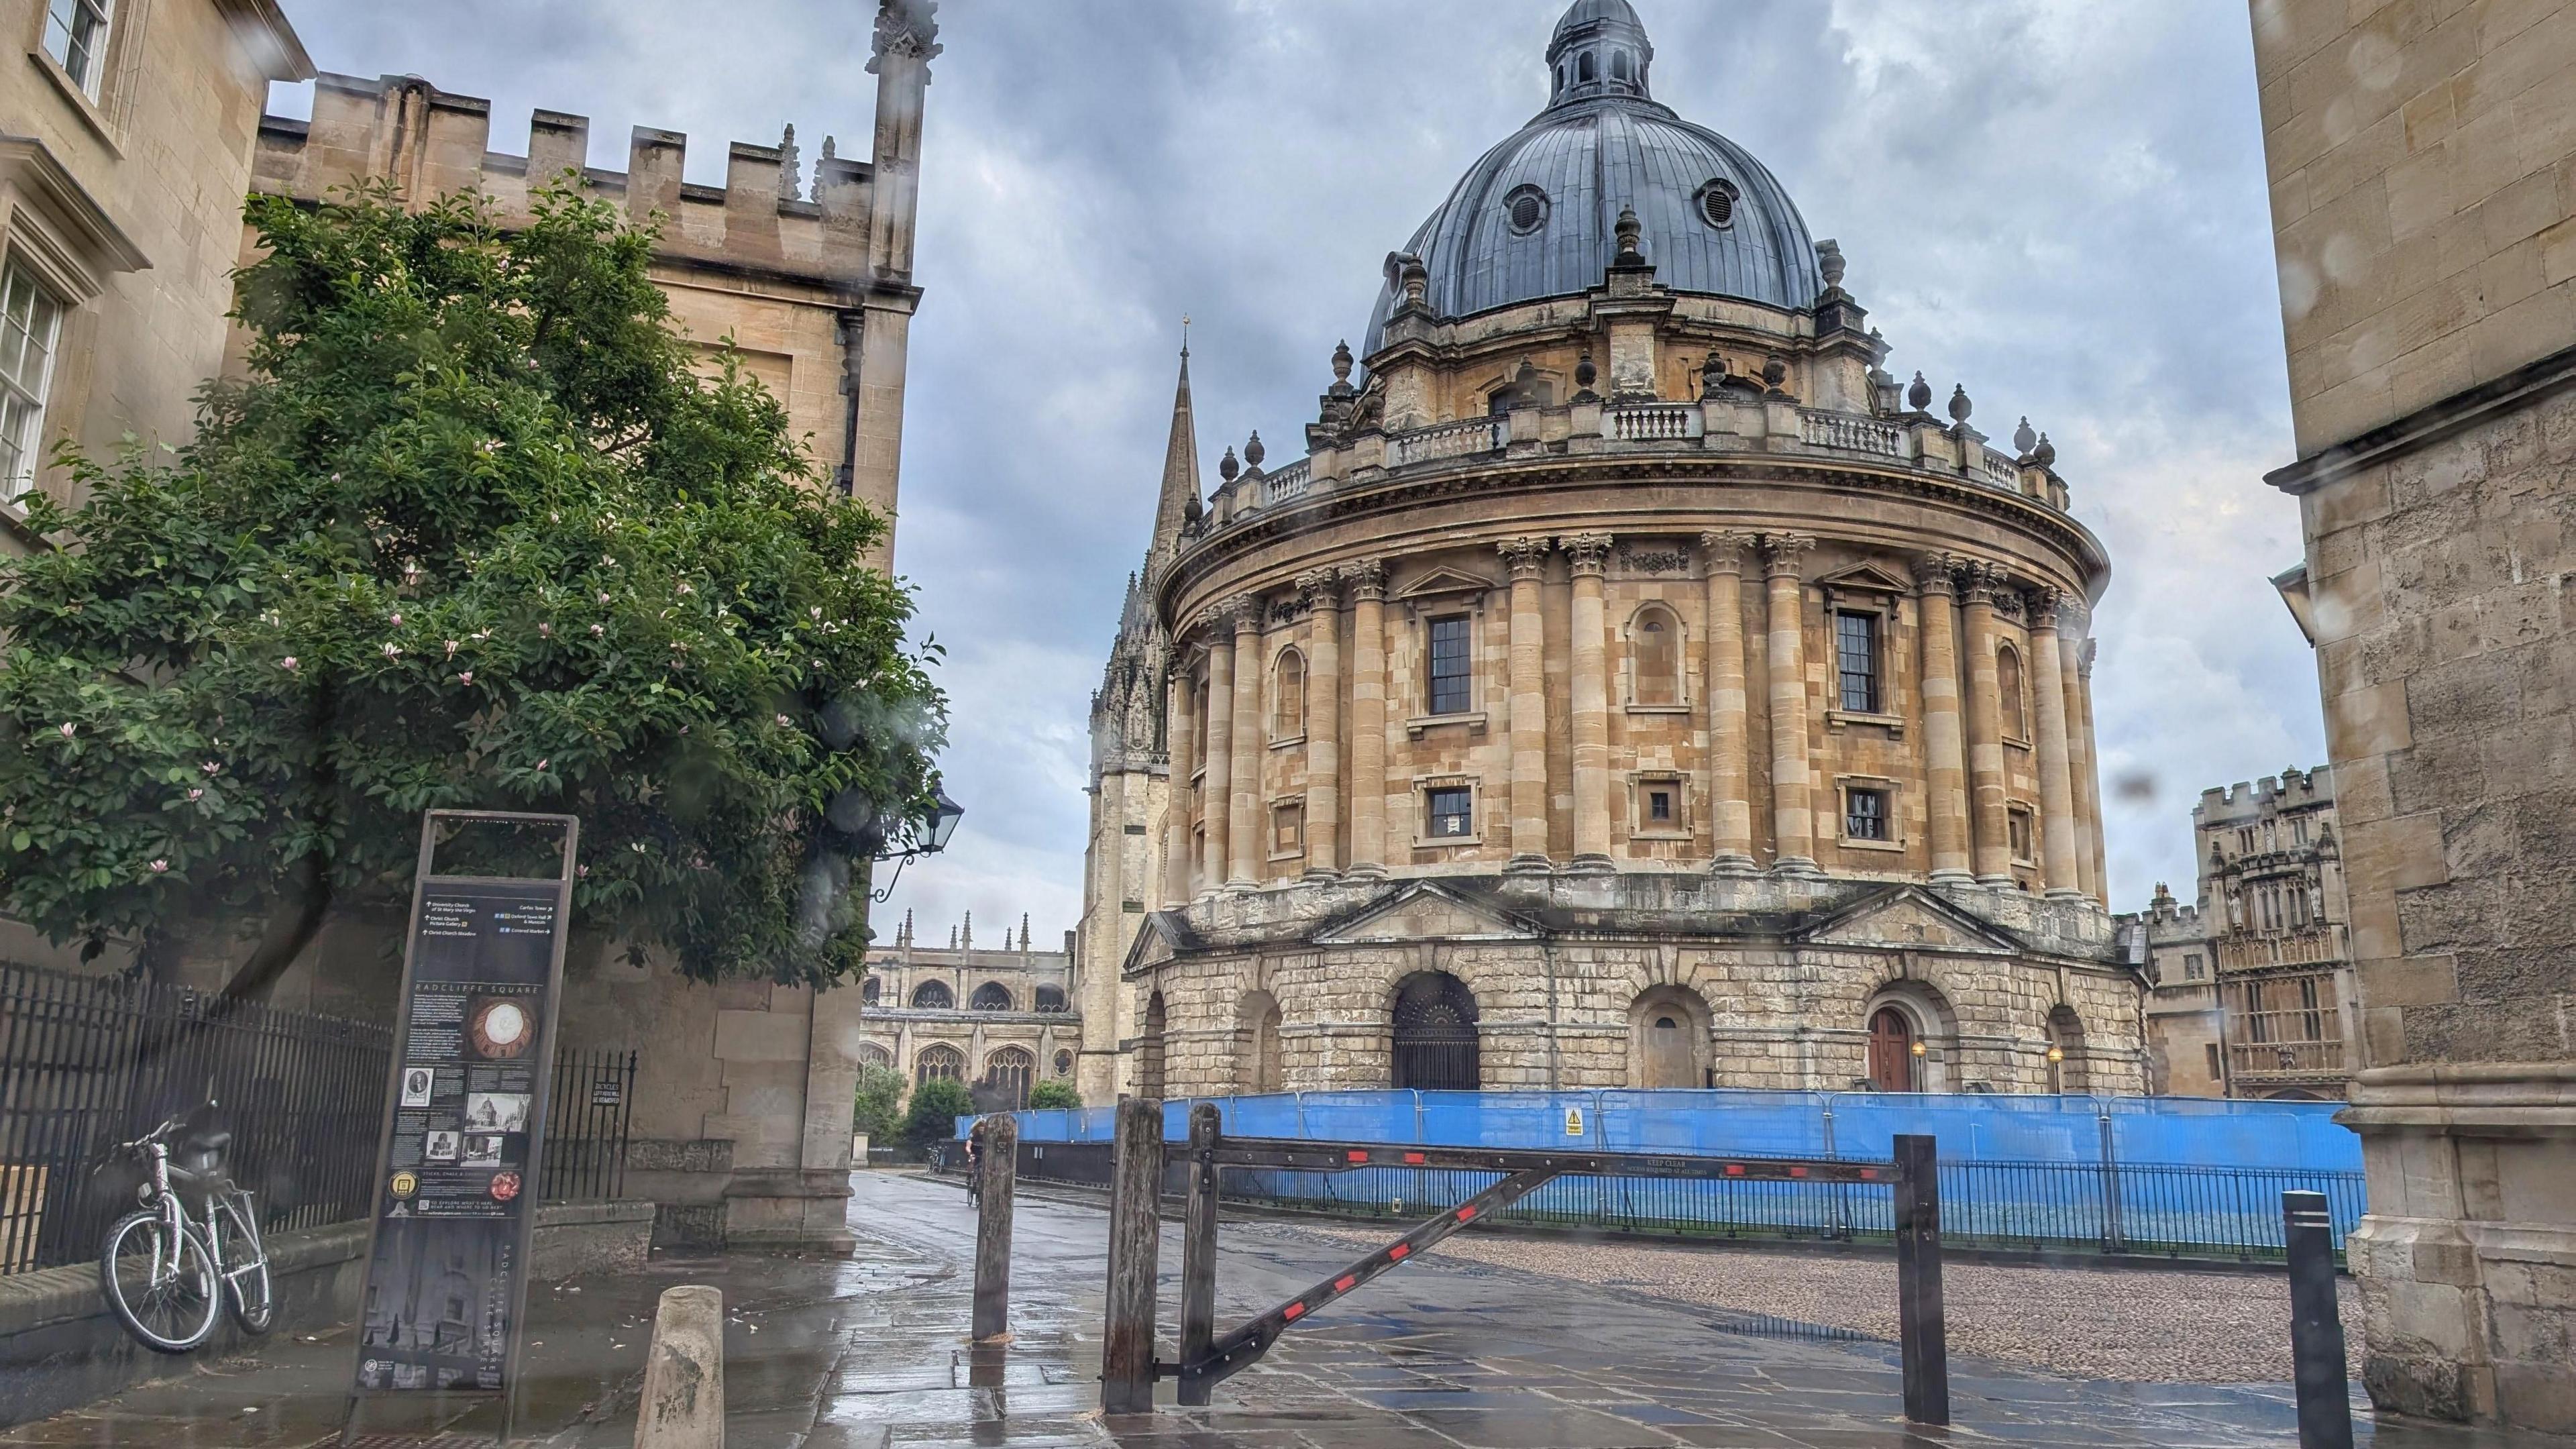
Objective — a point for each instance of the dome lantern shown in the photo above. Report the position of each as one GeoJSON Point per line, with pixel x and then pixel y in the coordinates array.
{"type": "Point", "coordinates": [1600, 48]}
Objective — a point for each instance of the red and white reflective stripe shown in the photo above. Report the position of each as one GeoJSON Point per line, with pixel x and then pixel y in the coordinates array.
{"type": "Point", "coordinates": [1346, 1283]}
{"type": "Point", "coordinates": [1466, 1212]}
{"type": "Point", "coordinates": [1413, 1159]}
{"type": "Point", "coordinates": [1293, 1312]}
{"type": "Point", "coordinates": [1358, 1155]}
{"type": "Point", "coordinates": [1399, 1252]}
{"type": "Point", "coordinates": [1735, 1169]}
{"type": "Point", "coordinates": [1797, 1172]}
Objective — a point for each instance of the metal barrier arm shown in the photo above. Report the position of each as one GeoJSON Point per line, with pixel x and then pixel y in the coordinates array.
{"type": "Point", "coordinates": [1288, 1153]}
{"type": "Point", "coordinates": [1240, 1349]}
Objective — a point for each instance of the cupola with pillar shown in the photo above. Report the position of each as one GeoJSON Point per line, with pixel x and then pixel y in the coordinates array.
{"type": "Point", "coordinates": [1635, 684]}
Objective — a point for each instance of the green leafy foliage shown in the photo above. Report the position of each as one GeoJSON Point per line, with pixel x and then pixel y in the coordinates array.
{"type": "Point", "coordinates": [879, 1104]}
{"type": "Point", "coordinates": [1054, 1094]}
{"type": "Point", "coordinates": [476, 531]}
{"type": "Point", "coordinates": [936, 1106]}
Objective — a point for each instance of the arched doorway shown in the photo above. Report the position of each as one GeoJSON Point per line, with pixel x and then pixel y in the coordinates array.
{"type": "Point", "coordinates": [1668, 1039]}
{"type": "Point", "coordinates": [1891, 1050]}
{"type": "Point", "coordinates": [1259, 1069]}
{"type": "Point", "coordinates": [2067, 1069]}
{"type": "Point", "coordinates": [1435, 1034]}
{"type": "Point", "coordinates": [1149, 1051]}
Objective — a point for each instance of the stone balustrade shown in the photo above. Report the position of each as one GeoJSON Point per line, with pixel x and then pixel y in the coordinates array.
{"type": "Point", "coordinates": [1851, 433]}
{"type": "Point", "coordinates": [1652, 423]}
{"type": "Point", "coordinates": [1460, 439]}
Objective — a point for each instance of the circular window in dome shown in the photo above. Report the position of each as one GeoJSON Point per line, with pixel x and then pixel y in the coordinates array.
{"type": "Point", "coordinates": [1717, 203]}
{"type": "Point", "coordinates": [1526, 206]}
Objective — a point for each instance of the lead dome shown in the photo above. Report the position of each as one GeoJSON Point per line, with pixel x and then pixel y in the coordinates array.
{"type": "Point", "coordinates": [1537, 216]}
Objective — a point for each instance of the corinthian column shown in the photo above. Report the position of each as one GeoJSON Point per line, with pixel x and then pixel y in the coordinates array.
{"type": "Point", "coordinates": [1527, 560]}
{"type": "Point", "coordinates": [1591, 702]}
{"type": "Point", "coordinates": [1730, 748]}
{"type": "Point", "coordinates": [1793, 819]}
{"type": "Point", "coordinates": [1217, 786]}
{"type": "Point", "coordinates": [1944, 739]}
{"type": "Point", "coordinates": [1250, 857]}
{"type": "Point", "coordinates": [2056, 780]}
{"type": "Point", "coordinates": [1323, 721]}
{"type": "Point", "coordinates": [2079, 748]}
{"type": "Point", "coordinates": [1368, 717]}
{"type": "Point", "coordinates": [1991, 838]}
{"type": "Point", "coordinates": [2092, 781]}
{"type": "Point", "coordinates": [1183, 707]}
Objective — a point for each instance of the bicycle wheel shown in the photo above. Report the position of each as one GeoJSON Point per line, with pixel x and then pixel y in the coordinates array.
{"type": "Point", "coordinates": [162, 1291]}
{"type": "Point", "coordinates": [247, 1297]}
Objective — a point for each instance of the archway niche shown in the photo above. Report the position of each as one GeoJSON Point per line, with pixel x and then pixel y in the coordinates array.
{"type": "Point", "coordinates": [1435, 1034]}
{"type": "Point", "coordinates": [1149, 1051]}
{"type": "Point", "coordinates": [1259, 1063]}
{"type": "Point", "coordinates": [1913, 1039]}
{"type": "Point", "coordinates": [1668, 1039]}
{"type": "Point", "coordinates": [2068, 1070]}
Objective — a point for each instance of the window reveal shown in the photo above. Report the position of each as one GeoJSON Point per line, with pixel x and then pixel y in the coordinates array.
{"type": "Point", "coordinates": [1856, 659]}
{"type": "Point", "coordinates": [1450, 673]}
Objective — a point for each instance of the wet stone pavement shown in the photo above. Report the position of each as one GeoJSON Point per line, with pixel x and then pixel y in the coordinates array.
{"type": "Point", "coordinates": [869, 1352]}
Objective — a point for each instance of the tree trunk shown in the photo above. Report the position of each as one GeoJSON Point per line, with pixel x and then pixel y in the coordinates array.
{"type": "Point", "coordinates": [297, 921]}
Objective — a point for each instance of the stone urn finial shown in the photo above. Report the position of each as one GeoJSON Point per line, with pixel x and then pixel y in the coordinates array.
{"type": "Point", "coordinates": [1919, 396]}
{"type": "Point", "coordinates": [1775, 371]}
{"type": "Point", "coordinates": [1586, 374]}
{"type": "Point", "coordinates": [2045, 454]}
{"type": "Point", "coordinates": [1342, 361]}
{"type": "Point", "coordinates": [1829, 260]}
{"type": "Point", "coordinates": [1960, 406]}
{"type": "Point", "coordinates": [1712, 376]}
{"type": "Point", "coordinates": [1253, 452]}
{"type": "Point", "coordinates": [1227, 468]}
{"type": "Point", "coordinates": [2024, 439]}
{"type": "Point", "coordinates": [1630, 231]}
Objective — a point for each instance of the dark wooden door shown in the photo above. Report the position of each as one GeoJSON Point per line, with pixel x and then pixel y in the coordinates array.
{"type": "Point", "coordinates": [1891, 1051]}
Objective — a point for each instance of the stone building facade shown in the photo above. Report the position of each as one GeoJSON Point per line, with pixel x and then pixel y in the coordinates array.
{"type": "Point", "coordinates": [1634, 685]}
{"type": "Point", "coordinates": [1000, 1020]}
{"type": "Point", "coordinates": [743, 1103]}
{"type": "Point", "coordinates": [2423, 174]}
{"type": "Point", "coordinates": [2250, 987]}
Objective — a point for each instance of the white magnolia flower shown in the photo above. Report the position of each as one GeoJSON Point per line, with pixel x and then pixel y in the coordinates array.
{"type": "Point", "coordinates": [287, 664]}
{"type": "Point", "coordinates": [160, 866]}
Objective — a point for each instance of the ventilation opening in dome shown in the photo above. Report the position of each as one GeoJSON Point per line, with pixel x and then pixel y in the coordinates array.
{"type": "Point", "coordinates": [1583, 69]}
{"type": "Point", "coordinates": [1527, 208]}
{"type": "Point", "coordinates": [1717, 204]}
{"type": "Point", "coordinates": [1619, 65]}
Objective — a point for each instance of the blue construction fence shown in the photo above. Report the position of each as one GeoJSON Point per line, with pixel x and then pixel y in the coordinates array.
{"type": "Point", "coordinates": [2184, 1177]}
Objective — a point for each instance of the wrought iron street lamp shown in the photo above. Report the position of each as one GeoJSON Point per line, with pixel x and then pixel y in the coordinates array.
{"type": "Point", "coordinates": [924, 835]}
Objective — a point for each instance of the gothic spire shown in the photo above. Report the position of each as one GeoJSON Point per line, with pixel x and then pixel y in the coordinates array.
{"type": "Point", "coordinates": [1180, 493]}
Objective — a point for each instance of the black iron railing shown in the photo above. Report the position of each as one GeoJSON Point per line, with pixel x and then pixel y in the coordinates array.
{"type": "Point", "coordinates": [2178, 1212]}
{"type": "Point", "coordinates": [88, 1062]}
{"type": "Point", "coordinates": [591, 1109]}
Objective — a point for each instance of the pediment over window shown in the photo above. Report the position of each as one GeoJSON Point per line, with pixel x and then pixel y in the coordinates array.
{"type": "Point", "coordinates": [1444, 580]}
{"type": "Point", "coordinates": [1864, 580]}
{"type": "Point", "coordinates": [1906, 917]}
{"type": "Point", "coordinates": [1157, 941]}
{"type": "Point", "coordinates": [1424, 911]}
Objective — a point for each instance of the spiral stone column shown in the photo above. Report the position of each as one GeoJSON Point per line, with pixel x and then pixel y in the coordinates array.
{"type": "Point", "coordinates": [1248, 858]}
{"type": "Point", "coordinates": [1591, 699]}
{"type": "Point", "coordinates": [1323, 594]}
{"type": "Point", "coordinates": [1526, 558]}
{"type": "Point", "coordinates": [1944, 738]}
{"type": "Point", "coordinates": [1793, 816]}
{"type": "Point", "coordinates": [1730, 747]}
{"type": "Point", "coordinates": [1991, 830]}
{"type": "Point", "coordinates": [2056, 781]}
{"type": "Point", "coordinates": [1368, 717]}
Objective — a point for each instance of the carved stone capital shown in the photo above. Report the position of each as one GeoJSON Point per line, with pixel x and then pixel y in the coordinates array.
{"type": "Point", "coordinates": [1368, 580]}
{"type": "Point", "coordinates": [906, 30]}
{"type": "Point", "coordinates": [2084, 659]}
{"type": "Point", "coordinates": [2008, 600]}
{"type": "Point", "coordinates": [1590, 552]}
{"type": "Point", "coordinates": [1784, 554]}
{"type": "Point", "coordinates": [1721, 551]}
{"type": "Point", "coordinates": [1936, 575]}
{"type": "Point", "coordinates": [1246, 611]}
{"type": "Point", "coordinates": [1525, 557]}
{"type": "Point", "coordinates": [1979, 582]}
{"type": "Point", "coordinates": [2049, 607]}
{"type": "Point", "coordinates": [1320, 589]}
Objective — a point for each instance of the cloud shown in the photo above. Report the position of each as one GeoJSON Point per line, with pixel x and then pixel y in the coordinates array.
{"type": "Point", "coordinates": [2060, 205]}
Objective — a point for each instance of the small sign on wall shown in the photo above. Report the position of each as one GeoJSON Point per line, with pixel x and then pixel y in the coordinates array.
{"type": "Point", "coordinates": [1573, 1121]}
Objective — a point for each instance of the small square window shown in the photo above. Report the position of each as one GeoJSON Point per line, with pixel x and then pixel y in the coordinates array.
{"type": "Point", "coordinates": [2192, 967]}
{"type": "Point", "coordinates": [1865, 814]}
{"type": "Point", "coordinates": [1453, 812]}
{"type": "Point", "coordinates": [1659, 805]}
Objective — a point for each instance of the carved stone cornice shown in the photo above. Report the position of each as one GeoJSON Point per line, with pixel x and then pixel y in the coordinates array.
{"type": "Point", "coordinates": [1320, 589]}
{"type": "Point", "coordinates": [1368, 580]}
{"type": "Point", "coordinates": [1721, 551]}
{"type": "Point", "coordinates": [1936, 576]}
{"type": "Point", "coordinates": [1590, 553]}
{"type": "Point", "coordinates": [1525, 557]}
{"type": "Point", "coordinates": [1784, 554]}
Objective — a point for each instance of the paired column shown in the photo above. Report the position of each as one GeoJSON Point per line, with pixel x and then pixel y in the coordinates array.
{"type": "Point", "coordinates": [1249, 856]}
{"type": "Point", "coordinates": [1944, 734]}
{"type": "Point", "coordinates": [1991, 829]}
{"type": "Point", "coordinates": [1526, 558]}
{"type": "Point", "coordinates": [1218, 793]}
{"type": "Point", "coordinates": [1730, 754]}
{"type": "Point", "coordinates": [2091, 783]}
{"type": "Point", "coordinates": [2079, 748]}
{"type": "Point", "coordinates": [1368, 717]}
{"type": "Point", "coordinates": [1793, 816]}
{"type": "Point", "coordinates": [1323, 594]}
{"type": "Point", "coordinates": [2056, 780]}
{"type": "Point", "coordinates": [1591, 691]}
{"type": "Point", "coordinates": [1182, 710]}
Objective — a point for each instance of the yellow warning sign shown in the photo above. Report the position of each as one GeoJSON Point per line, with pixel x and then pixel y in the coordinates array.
{"type": "Point", "coordinates": [1573, 1121]}
{"type": "Point", "coordinates": [405, 1184]}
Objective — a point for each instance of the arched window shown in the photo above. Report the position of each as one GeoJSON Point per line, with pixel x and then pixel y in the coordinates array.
{"type": "Point", "coordinates": [1007, 1073]}
{"type": "Point", "coordinates": [1064, 1064]}
{"type": "Point", "coordinates": [2008, 685]}
{"type": "Point", "coordinates": [938, 1062]}
{"type": "Point", "coordinates": [1584, 70]}
{"type": "Point", "coordinates": [1050, 998]}
{"type": "Point", "coordinates": [874, 1056]}
{"type": "Point", "coordinates": [870, 991]}
{"type": "Point", "coordinates": [1149, 1051]}
{"type": "Point", "coordinates": [1435, 1034]}
{"type": "Point", "coordinates": [1891, 1051]}
{"type": "Point", "coordinates": [1288, 697]}
{"type": "Point", "coordinates": [1655, 641]}
{"type": "Point", "coordinates": [1618, 65]}
{"type": "Point", "coordinates": [991, 996]}
{"type": "Point", "coordinates": [933, 996]}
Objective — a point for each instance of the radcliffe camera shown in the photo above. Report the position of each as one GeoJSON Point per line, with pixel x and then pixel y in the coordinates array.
{"type": "Point", "coordinates": [1540, 724]}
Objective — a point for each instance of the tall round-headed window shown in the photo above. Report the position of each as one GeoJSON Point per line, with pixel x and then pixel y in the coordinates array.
{"type": "Point", "coordinates": [1526, 208]}
{"type": "Point", "coordinates": [1717, 203]}
{"type": "Point", "coordinates": [1656, 661]}
{"type": "Point", "coordinates": [1288, 697]}
{"type": "Point", "coordinates": [1619, 65]}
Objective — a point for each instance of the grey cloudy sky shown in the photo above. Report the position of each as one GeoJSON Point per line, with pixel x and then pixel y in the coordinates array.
{"type": "Point", "coordinates": [2058, 202]}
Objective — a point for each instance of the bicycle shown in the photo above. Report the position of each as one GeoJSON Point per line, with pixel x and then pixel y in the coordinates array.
{"type": "Point", "coordinates": [165, 1276]}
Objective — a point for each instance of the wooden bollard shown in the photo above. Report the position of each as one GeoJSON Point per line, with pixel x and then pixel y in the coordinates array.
{"type": "Point", "coordinates": [1921, 1333]}
{"type": "Point", "coordinates": [1198, 1250]}
{"type": "Point", "coordinates": [997, 1169]}
{"type": "Point", "coordinates": [683, 1404]}
{"type": "Point", "coordinates": [1135, 1245]}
